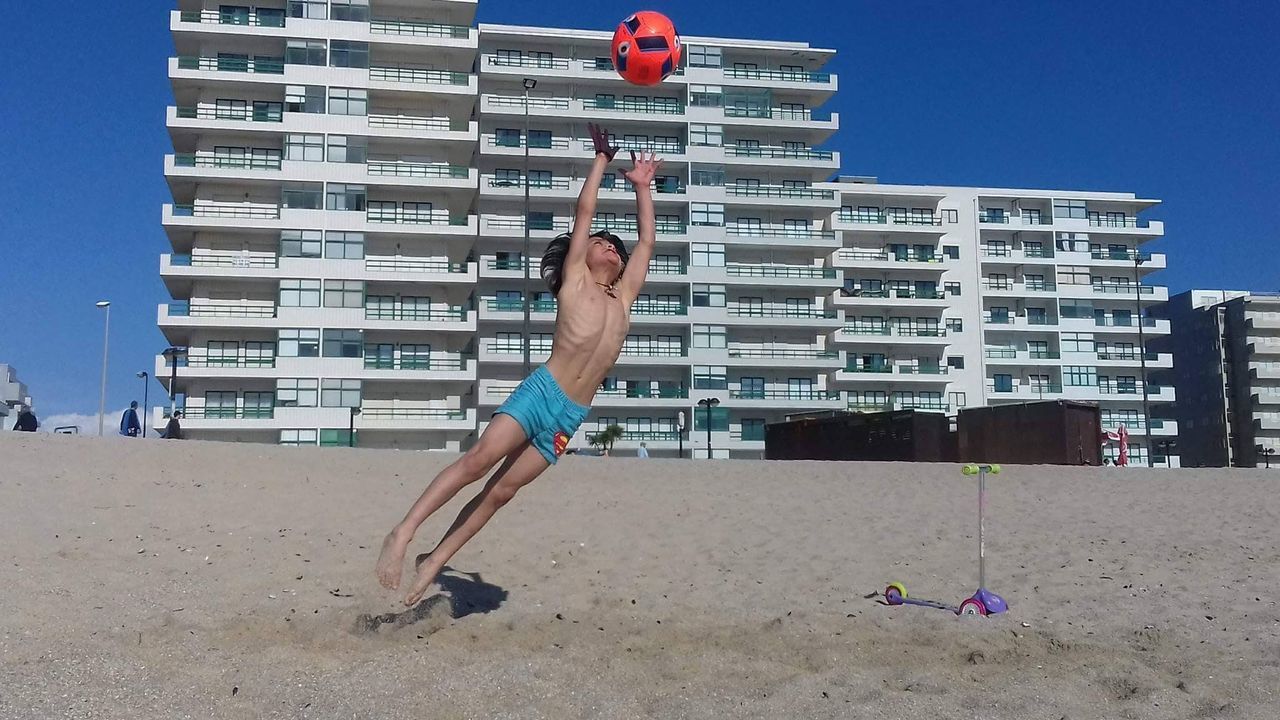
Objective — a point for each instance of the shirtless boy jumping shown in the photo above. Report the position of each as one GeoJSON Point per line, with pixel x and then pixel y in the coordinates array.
{"type": "Point", "coordinates": [595, 285]}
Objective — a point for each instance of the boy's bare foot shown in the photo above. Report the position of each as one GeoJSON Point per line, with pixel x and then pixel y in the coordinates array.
{"type": "Point", "coordinates": [427, 572]}
{"type": "Point", "coordinates": [391, 560]}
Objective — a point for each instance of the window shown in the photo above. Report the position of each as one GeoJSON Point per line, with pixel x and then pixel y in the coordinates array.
{"type": "Point", "coordinates": [1000, 315]}
{"type": "Point", "coordinates": [340, 437]}
{"type": "Point", "coordinates": [709, 336]}
{"type": "Point", "coordinates": [225, 109]}
{"type": "Point", "coordinates": [264, 110]}
{"type": "Point", "coordinates": [348, 101]}
{"type": "Point", "coordinates": [706, 135]}
{"type": "Point", "coordinates": [705, 96]}
{"type": "Point", "coordinates": [1077, 342]}
{"type": "Point", "coordinates": [751, 388]}
{"type": "Point", "coordinates": [793, 111]}
{"type": "Point", "coordinates": [540, 139]}
{"type": "Point", "coordinates": [298, 438]}
{"type": "Point", "coordinates": [707, 255]}
{"type": "Point", "coordinates": [706, 175]}
{"type": "Point", "coordinates": [753, 429]}
{"type": "Point", "coordinates": [959, 400]}
{"type": "Point", "coordinates": [506, 137]}
{"type": "Point", "coordinates": [354, 10]}
{"type": "Point", "coordinates": [300, 243]}
{"type": "Point", "coordinates": [304, 52]}
{"type": "Point", "coordinates": [349, 54]}
{"type": "Point", "coordinates": [1037, 316]}
{"type": "Point", "coordinates": [708, 296]}
{"type": "Point", "coordinates": [311, 9]}
{"type": "Point", "coordinates": [304, 99]}
{"type": "Point", "coordinates": [343, 293]}
{"type": "Point", "coordinates": [710, 377]}
{"type": "Point", "coordinates": [955, 325]}
{"type": "Point", "coordinates": [344, 245]}
{"type": "Point", "coordinates": [1069, 209]}
{"type": "Point", "coordinates": [703, 56]}
{"type": "Point", "coordinates": [951, 251]}
{"type": "Point", "coordinates": [343, 343]}
{"type": "Point", "coordinates": [1079, 376]}
{"type": "Point", "coordinates": [719, 418]}
{"type": "Point", "coordinates": [340, 393]}
{"type": "Point", "coordinates": [1003, 383]}
{"type": "Point", "coordinates": [711, 214]}
{"type": "Point", "coordinates": [344, 149]}
{"type": "Point", "coordinates": [259, 404]}
{"type": "Point", "coordinates": [540, 178]}
{"type": "Point", "coordinates": [299, 293]}
{"type": "Point", "coordinates": [297, 392]}
{"type": "Point", "coordinates": [952, 288]}
{"type": "Point", "coordinates": [222, 353]}
{"type": "Point", "coordinates": [346, 197]}
{"type": "Point", "coordinates": [299, 343]}
{"type": "Point", "coordinates": [305, 148]}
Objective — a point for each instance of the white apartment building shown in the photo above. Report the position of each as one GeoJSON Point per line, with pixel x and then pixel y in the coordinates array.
{"type": "Point", "coordinates": [13, 396]}
{"type": "Point", "coordinates": [349, 227]}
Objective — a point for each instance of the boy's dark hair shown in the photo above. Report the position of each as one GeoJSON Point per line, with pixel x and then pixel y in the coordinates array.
{"type": "Point", "coordinates": [558, 250]}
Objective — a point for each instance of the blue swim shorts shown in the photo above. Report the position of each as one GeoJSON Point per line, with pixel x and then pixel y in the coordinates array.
{"type": "Point", "coordinates": [548, 416]}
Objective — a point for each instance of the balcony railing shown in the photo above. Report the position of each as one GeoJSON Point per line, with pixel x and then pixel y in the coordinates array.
{"type": "Point", "coordinates": [187, 309]}
{"type": "Point", "coordinates": [248, 113]}
{"type": "Point", "coordinates": [778, 153]}
{"type": "Point", "coordinates": [778, 191]}
{"type": "Point", "coordinates": [662, 227]}
{"type": "Point", "coordinates": [1129, 255]}
{"type": "Point", "coordinates": [249, 212]}
{"type": "Point", "coordinates": [1114, 322]}
{"type": "Point", "coordinates": [752, 434]}
{"type": "Point", "coordinates": [899, 256]}
{"type": "Point", "coordinates": [260, 65]}
{"type": "Point", "coordinates": [378, 264]}
{"type": "Point", "coordinates": [1127, 355]}
{"type": "Point", "coordinates": [411, 122]}
{"type": "Point", "coordinates": [897, 331]}
{"type": "Point", "coordinates": [805, 272]}
{"type": "Point", "coordinates": [412, 217]}
{"type": "Point", "coordinates": [808, 394]}
{"type": "Point", "coordinates": [418, 76]}
{"type": "Point", "coordinates": [228, 413]}
{"type": "Point", "coordinates": [642, 307]}
{"type": "Point", "coordinates": [1123, 289]}
{"type": "Point", "coordinates": [534, 102]}
{"type": "Point", "coordinates": [861, 405]}
{"type": "Point", "coordinates": [409, 413]}
{"type": "Point", "coordinates": [806, 313]}
{"type": "Point", "coordinates": [374, 362]}
{"type": "Point", "coordinates": [248, 18]}
{"type": "Point", "coordinates": [779, 232]}
{"type": "Point", "coordinates": [232, 260]}
{"type": "Point", "coordinates": [1118, 222]}
{"type": "Point", "coordinates": [775, 113]}
{"type": "Point", "coordinates": [541, 63]}
{"type": "Point", "coordinates": [879, 218]}
{"type": "Point", "coordinates": [387, 168]}
{"type": "Point", "coordinates": [899, 293]}
{"type": "Point", "coordinates": [1029, 388]}
{"type": "Point", "coordinates": [418, 28]}
{"type": "Point", "coordinates": [534, 184]}
{"type": "Point", "coordinates": [993, 218]}
{"type": "Point", "coordinates": [555, 143]}
{"type": "Point", "coordinates": [503, 223]}
{"type": "Point", "coordinates": [226, 162]}
{"type": "Point", "coordinates": [869, 368]}
{"type": "Point", "coordinates": [650, 436]}
{"type": "Point", "coordinates": [662, 148]}
{"type": "Point", "coordinates": [237, 362]}
{"type": "Point", "coordinates": [783, 353]}
{"type": "Point", "coordinates": [643, 393]}
{"type": "Point", "coordinates": [504, 305]}
{"type": "Point", "coordinates": [650, 107]}
{"type": "Point", "coordinates": [450, 314]}
{"type": "Point", "coordinates": [801, 76]}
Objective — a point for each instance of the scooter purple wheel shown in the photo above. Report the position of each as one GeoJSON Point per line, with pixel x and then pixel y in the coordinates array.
{"type": "Point", "coordinates": [894, 593]}
{"type": "Point", "coordinates": [973, 606]}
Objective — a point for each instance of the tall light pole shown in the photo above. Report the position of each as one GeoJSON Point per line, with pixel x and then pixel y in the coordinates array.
{"type": "Point", "coordinates": [106, 337]}
{"type": "Point", "coordinates": [351, 426]}
{"type": "Point", "coordinates": [146, 387]}
{"type": "Point", "coordinates": [529, 84]}
{"type": "Point", "coordinates": [709, 403]}
{"type": "Point", "coordinates": [1142, 357]}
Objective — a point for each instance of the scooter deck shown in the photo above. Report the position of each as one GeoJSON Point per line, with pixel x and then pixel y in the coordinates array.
{"type": "Point", "coordinates": [930, 604]}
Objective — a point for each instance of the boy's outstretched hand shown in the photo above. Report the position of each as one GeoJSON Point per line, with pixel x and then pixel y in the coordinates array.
{"type": "Point", "coordinates": [600, 139]}
{"type": "Point", "coordinates": [644, 169]}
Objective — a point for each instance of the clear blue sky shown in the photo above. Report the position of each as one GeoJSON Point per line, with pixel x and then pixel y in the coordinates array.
{"type": "Point", "coordinates": [1175, 100]}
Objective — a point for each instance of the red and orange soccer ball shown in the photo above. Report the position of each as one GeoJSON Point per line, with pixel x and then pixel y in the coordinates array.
{"type": "Point", "coordinates": [646, 48]}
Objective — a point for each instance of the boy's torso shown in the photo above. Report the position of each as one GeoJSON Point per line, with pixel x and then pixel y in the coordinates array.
{"type": "Point", "coordinates": [591, 327]}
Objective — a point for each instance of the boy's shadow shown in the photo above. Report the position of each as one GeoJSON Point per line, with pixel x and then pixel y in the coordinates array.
{"type": "Point", "coordinates": [463, 594]}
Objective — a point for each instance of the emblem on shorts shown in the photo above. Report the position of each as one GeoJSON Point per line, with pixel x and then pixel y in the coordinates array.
{"type": "Point", "coordinates": [561, 443]}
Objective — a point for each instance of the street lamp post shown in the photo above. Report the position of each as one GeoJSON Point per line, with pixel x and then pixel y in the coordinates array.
{"type": "Point", "coordinates": [146, 388]}
{"type": "Point", "coordinates": [1267, 452]}
{"type": "Point", "coordinates": [709, 403]}
{"type": "Point", "coordinates": [529, 84]}
{"type": "Point", "coordinates": [1142, 356]}
{"type": "Point", "coordinates": [680, 433]}
{"type": "Point", "coordinates": [351, 427]}
{"type": "Point", "coordinates": [106, 338]}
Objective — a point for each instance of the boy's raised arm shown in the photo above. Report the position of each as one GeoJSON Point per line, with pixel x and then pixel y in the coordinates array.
{"type": "Point", "coordinates": [576, 259]}
{"type": "Point", "coordinates": [641, 176]}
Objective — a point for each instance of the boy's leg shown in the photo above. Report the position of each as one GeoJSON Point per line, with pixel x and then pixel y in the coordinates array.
{"type": "Point", "coordinates": [520, 469]}
{"type": "Point", "coordinates": [500, 439]}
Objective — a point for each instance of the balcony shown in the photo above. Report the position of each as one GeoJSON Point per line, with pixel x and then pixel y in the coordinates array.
{"type": "Point", "coordinates": [253, 66]}
{"type": "Point", "coordinates": [771, 117]}
{"type": "Point", "coordinates": [787, 76]}
{"type": "Point", "coordinates": [420, 29]}
{"type": "Point", "coordinates": [904, 258]}
{"type": "Point", "coordinates": [512, 351]}
{"type": "Point", "coordinates": [1011, 322]}
{"type": "Point", "coordinates": [187, 309]}
{"type": "Point", "coordinates": [770, 234]}
{"type": "Point", "coordinates": [864, 405]}
{"type": "Point", "coordinates": [1009, 288]}
{"type": "Point", "coordinates": [782, 312]}
{"type": "Point", "coordinates": [807, 155]}
{"type": "Point", "coordinates": [407, 75]}
{"type": "Point", "coordinates": [243, 17]}
{"type": "Point", "coordinates": [767, 275]}
{"type": "Point", "coordinates": [646, 107]}
{"type": "Point", "coordinates": [1024, 391]}
{"type": "Point", "coordinates": [784, 357]}
{"type": "Point", "coordinates": [210, 160]}
{"type": "Point", "coordinates": [876, 334]}
{"type": "Point", "coordinates": [1014, 356]}
{"type": "Point", "coordinates": [778, 192]}
{"type": "Point", "coordinates": [897, 297]}
{"type": "Point", "coordinates": [1005, 255]}
{"type": "Point", "coordinates": [417, 266]}
{"type": "Point", "coordinates": [220, 259]}
{"type": "Point", "coordinates": [455, 314]}
{"type": "Point", "coordinates": [889, 372]}
{"type": "Point", "coordinates": [864, 217]}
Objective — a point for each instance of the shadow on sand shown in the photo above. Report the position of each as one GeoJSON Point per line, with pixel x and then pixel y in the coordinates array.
{"type": "Point", "coordinates": [463, 594]}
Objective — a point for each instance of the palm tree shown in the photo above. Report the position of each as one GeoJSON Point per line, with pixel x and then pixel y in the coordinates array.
{"type": "Point", "coordinates": [606, 438]}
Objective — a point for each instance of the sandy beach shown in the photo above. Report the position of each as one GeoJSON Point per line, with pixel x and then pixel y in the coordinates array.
{"type": "Point", "coordinates": [198, 580]}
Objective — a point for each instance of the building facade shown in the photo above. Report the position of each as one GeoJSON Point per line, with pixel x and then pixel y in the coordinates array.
{"type": "Point", "coordinates": [349, 234]}
{"type": "Point", "coordinates": [1226, 348]}
{"type": "Point", "coordinates": [13, 396]}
